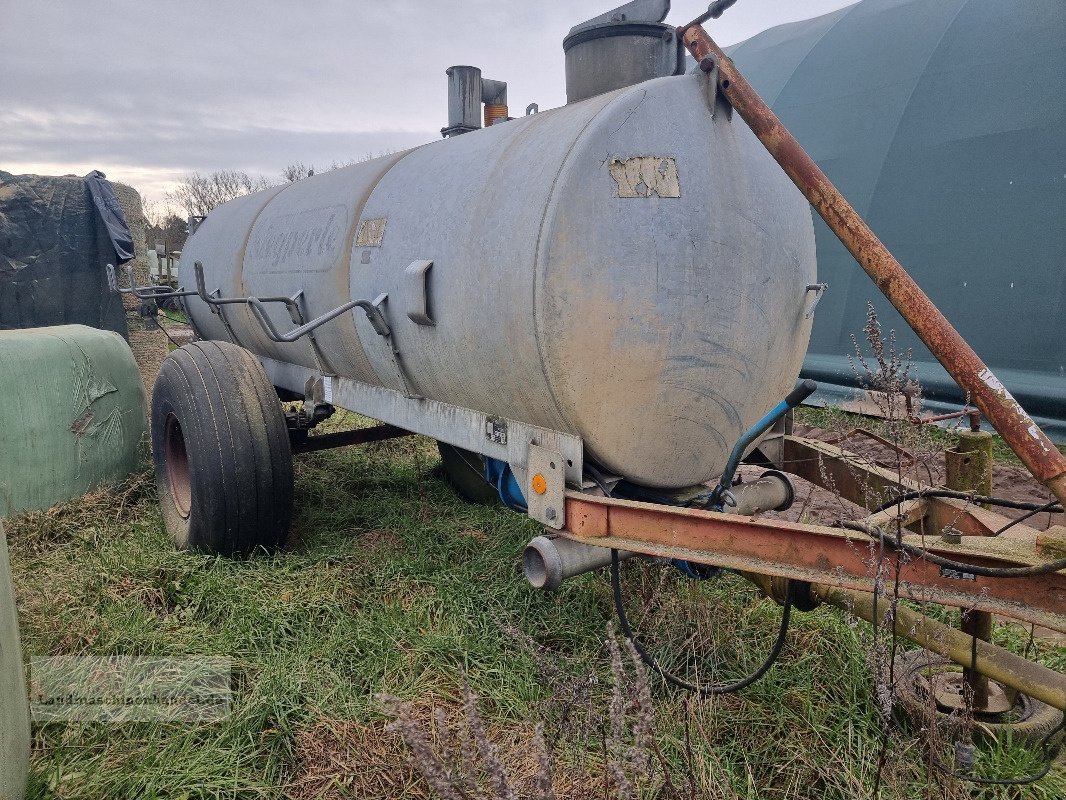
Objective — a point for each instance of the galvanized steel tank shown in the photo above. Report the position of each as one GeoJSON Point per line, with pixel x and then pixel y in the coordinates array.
{"type": "Point", "coordinates": [630, 269]}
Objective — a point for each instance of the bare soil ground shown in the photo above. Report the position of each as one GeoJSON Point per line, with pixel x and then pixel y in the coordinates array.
{"type": "Point", "coordinates": [926, 466]}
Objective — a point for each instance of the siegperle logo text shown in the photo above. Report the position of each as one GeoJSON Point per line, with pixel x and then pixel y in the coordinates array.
{"type": "Point", "coordinates": [290, 238]}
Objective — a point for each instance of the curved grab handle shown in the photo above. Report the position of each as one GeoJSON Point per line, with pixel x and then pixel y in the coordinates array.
{"type": "Point", "coordinates": [373, 314]}
{"type": "Point", "coordinates": [201, 291]}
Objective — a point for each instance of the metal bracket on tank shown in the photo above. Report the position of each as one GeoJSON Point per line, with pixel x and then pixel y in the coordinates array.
{"type": "Point", "coordinates": [375, 316]}
{"type": "Point", "coordinates": [381, 327]}
{"type": "Point", "coordinates": [819, 290]}
{"type": "Point", "coordinates": [709, 66]}
{"type": "Point", "coordinates": [545, 486]}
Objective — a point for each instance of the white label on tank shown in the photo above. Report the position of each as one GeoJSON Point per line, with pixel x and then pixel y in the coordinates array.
{"type": "Point", "coordinates": [327, 388]}
{"type": "Point", "coordinates": [645, 176]}
{"type": "Point", "coordinates": [371, 233]}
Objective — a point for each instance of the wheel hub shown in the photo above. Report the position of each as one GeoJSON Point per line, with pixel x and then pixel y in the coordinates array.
{"type": "Point", "coordinates": [949, 691]}
{"type": "Point", "coordinates": [177, 460]}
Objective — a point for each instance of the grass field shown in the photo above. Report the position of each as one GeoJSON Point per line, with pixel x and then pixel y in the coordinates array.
{"type": "Point", "coordinates": [393, 587]}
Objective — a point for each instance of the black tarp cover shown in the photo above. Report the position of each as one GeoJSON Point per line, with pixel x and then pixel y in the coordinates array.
{"type": "Point", "coordinates": [54, 244]}
{"type": "Point", "coordinates": [111, 215]}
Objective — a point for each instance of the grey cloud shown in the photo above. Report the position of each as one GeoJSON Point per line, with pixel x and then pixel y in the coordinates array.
{"type": "Point", "coordinates": [204, 85]}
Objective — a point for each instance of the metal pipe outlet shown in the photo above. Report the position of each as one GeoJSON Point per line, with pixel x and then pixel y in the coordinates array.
{"type": "Point", "coordinates": [547, 562]}
{"type": "Point", "coordinates": [772, 492]}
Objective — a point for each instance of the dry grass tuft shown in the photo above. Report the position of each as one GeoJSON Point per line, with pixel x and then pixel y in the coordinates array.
{"type": "Point", "coordinates": [340, 759]}
{"type": "Point", "coordinates": [84, 519]}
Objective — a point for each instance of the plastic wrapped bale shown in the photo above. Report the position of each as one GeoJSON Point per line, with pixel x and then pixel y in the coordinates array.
{"type": "Point", "coordinates": [72, 414]}
{"type": "Point", "coordinates": [149, 344]}
{"type": "Point", "coordinates": [14, 712]}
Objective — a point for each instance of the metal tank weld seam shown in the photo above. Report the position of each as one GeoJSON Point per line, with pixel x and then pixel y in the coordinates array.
{"type": "Point", "coordinates": [542, 268]}
{"type": "Point", "coordinates": [357, 215]}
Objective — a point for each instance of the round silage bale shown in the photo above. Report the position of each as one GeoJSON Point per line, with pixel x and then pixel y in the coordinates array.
{"type": "Point", "coordinates": [14, 711]}
{"type": "Point", "coordinates": [72, 414]}
{"type": "Point", "coordinates": [149, 346]}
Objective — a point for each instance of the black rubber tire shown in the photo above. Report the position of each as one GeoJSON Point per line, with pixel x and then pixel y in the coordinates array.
{"type": "Point", "coordinates": [1033, 720]}
{"type": "Point", "coordinates": [223, 465]}
{"type": "Point", "coordinates": [465, 471]}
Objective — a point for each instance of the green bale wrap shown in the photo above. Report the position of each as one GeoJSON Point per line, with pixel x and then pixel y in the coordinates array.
{"type": "Point", "coordinates": [72, 414]}
{"type": "Point", "coordinates": [14, 712]}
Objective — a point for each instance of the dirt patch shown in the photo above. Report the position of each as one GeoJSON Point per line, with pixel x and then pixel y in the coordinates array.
{"type": "Point", "coordinates": [926, 467]}
{"type": "Point", "coordinates": [382, 540]}
{"type": "Point", "coordinates": [180, 334]}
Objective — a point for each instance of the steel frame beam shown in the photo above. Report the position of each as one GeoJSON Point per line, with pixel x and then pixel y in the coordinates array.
{"type": "Point", "coordinates": [302, 443]}
{"type": "Point", "coordinates": [837, 557]}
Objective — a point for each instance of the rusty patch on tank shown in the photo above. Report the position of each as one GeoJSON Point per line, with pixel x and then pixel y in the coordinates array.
{"type": "Point", "coordinates": [645, 176]}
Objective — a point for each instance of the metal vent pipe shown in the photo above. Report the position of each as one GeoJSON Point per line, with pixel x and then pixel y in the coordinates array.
{"type": "Point", "coordinates": [464, 100]}
{"type": "Point", "coordinates": [467, 90]}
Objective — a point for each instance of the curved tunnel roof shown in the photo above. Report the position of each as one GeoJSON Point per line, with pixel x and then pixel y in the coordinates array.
{"type": "Point", "coordinates": [944, 123]}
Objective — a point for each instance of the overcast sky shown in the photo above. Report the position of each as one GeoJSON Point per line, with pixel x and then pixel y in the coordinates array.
{"type": "Point", "coordinates": [148, 90]}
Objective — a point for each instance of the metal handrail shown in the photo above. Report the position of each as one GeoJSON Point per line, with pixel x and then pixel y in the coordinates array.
{"type": "Point", "coordinates": [372, 309]}
{"type": "Point", "coordinates": [201, 290]}
{"type": "Point", "coordinates": [258, 308]}
{"type": "Point", "coordinates": [142, 292]}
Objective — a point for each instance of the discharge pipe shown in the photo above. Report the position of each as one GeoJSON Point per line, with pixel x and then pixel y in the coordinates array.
{"type": "Point", "coordinates": [771, 492]}
{"type": "Point", "coordinates": [550, 560]}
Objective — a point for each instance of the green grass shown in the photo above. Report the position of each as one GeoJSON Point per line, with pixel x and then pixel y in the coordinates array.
{"type": "Point", "coordinates": [392, 585]}
{"type": "Point", "coordinates": [173, 318]}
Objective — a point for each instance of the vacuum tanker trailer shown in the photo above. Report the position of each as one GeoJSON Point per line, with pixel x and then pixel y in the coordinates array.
{"type": "Point", "coordinates": [598, 311]}
{"type": "Point", "coordinates": [623, 283]}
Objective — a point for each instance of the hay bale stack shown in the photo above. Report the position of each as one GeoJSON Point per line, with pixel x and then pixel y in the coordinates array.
{"type": "Point", "coordinates": [149, 346]}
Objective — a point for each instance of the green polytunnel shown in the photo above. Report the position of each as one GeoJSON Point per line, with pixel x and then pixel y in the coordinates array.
{"type": "Point", "coordinates": [72, 414]}
{"type": "Point", "coordinates": [944, 123]}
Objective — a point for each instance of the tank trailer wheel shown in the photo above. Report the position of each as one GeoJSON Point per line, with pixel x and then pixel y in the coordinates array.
{"type": "Point", "coordinates": [465, 471]}
{"type": "Point", "coordinates": [1028, 721]}
{"type": "Point", "coordinates": [223, 466]}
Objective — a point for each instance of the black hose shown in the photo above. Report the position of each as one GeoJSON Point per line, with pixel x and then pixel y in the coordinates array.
{"type": "Point", "coordinates": [1046, 507]}
{"type": "Point", "coordinates": [674, 680]}
{"type": "Point", "coordinates": [1053, 506]}
{"type": "Point", "coordinates": [973, 569]}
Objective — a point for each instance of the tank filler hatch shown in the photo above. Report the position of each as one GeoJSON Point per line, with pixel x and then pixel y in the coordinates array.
{"type": "Point", "coordinates": [623, 47]}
